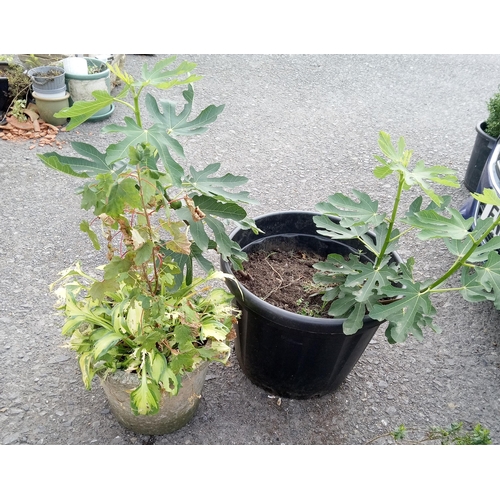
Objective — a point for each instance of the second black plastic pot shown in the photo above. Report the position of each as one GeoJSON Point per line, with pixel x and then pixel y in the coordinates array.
{"type": "Point", "coordinates": [288, 354]}
{"type": "Point", "coordinates": [4, 90]}
{"type": "Point", "coordinates": [483, 145]}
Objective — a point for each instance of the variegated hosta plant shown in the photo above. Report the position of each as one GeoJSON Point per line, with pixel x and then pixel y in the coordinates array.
{"type": "Point", "coordinates": [353, 286]}
{"type": "Point", "coordinates": [158, 336]}
{"type": "Point", "coordinates": [148, 312]}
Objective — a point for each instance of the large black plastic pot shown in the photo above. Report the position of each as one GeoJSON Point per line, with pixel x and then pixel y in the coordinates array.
{"type": "Point", "coordinates": [288, 354]}
{"type": "Point", "coordinates": [483, 145]}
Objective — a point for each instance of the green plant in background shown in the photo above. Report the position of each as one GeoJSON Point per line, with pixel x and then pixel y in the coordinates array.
{"type": "Point", "coordinates": [389, 291]}
{"type": "Point", "coordinates": [493, 120]}
{"type": "Point", "coordinates": [96, 68]}
{"type": "Point", "coordinates": [19, 81]}
{"type": "Point", "coordinates": [17, 110]}
{"type": "Point", "coordinates": [31, 61]}
{"type": "Point", "coordinates": [148, 312]}
{"type": "Point", "coordinates": [453, 435]}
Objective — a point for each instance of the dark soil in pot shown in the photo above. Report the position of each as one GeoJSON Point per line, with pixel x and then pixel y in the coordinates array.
{"type": "Point", "coordinates": [284, 278]}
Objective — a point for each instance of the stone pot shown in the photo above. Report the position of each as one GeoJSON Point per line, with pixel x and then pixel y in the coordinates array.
{"type": "Point", "coordinates": [175, 411]}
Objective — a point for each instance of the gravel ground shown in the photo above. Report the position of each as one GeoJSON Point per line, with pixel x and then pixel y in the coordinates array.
{"type": "Point", "coordinates": [299, 127]}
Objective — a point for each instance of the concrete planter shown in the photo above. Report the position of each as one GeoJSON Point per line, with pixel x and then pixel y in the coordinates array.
{"type": "Point", "coordinates": [175, 411]}
{"type": "Point", "coordinates": [81, 86]}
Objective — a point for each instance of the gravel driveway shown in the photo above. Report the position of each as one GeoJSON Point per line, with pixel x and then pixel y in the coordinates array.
{"type": "Point", "coordinates": [299, 127]}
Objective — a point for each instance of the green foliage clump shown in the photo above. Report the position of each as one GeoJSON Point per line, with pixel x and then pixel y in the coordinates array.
{"type": "Point", "coordinates": [493, 121]}
{"type": "Point", "coordinates": [149, 313]}
{"type": "Point", "coordinates": [19, 81]}
{"type": "Point", "coordinates": [17, 110]}
{"type": "Point", "coordinates": [452, 435]}
{"type": "Point", "coordinates": [370, 281]}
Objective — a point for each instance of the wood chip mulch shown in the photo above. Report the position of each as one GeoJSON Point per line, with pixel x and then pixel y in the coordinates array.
{"type": "Point", "coordinates": [35, 130]}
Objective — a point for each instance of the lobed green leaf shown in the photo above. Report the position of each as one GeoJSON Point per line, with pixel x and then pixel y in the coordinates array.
{"type": "Point", "coordinates": [489, 276]}
{"type": "Point", "coordinates": [81, 111]}
{"type": "Point", "coordinates": [352, 213]}
{"type": "Point", "coordinates": [488, 197]}
{"type": "Point", "coordinates": [434, 225]}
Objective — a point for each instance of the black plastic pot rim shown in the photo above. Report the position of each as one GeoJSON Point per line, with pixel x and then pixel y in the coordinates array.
{"type": "Point", "coordinates": [276, 314]}
{"type": "Point", "coordinates": [480, 129]}
{"type": "Point", "coordinates": [283, 317]}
